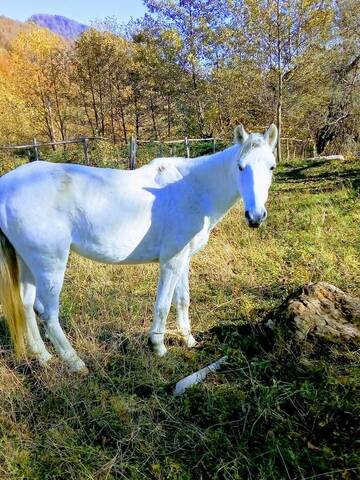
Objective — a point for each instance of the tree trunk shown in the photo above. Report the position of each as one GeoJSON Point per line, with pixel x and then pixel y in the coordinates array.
{"type": "Point", "coordinates": [280, 82]}
{"type": "Point", "coordinates": [121, 112]}
{"type": "Point", "coordinates": [137, 116]}
{"type": "Point", "coordinates": [122, 117]}
{"type": "Point", "coordinates": [153, 118]}
{"type": "Point", "coordinates": [47, 112]}
{"type": "Point", "coordinates": [168, 116]}
{"type": "Point", "coordinates": [87, 111]}
{"type": "Point", "coordinates": [96, 115]}
{"type": "Point", "coordinates": [60, 116]}
{"type": "Point", "coordinates": [279, 115]}
{"type": "Point", "coordinates": [112, 122]}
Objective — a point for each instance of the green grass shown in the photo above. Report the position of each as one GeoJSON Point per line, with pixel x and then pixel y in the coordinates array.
{"type": "Point", "coordinates": [273, 413]}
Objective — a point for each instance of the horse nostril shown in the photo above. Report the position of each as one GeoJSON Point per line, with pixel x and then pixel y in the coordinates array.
{"type": "Point", "coordinates": [264, 215]}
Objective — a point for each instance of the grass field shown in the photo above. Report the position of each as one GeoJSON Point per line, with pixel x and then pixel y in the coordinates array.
{"type": "Point", "coordinates": [272, 413]}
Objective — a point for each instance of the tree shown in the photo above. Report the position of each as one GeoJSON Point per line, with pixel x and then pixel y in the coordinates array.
{"type": "Point", "coordinates": [101, 61]}
{"type": "Point", "coordinates": [282, 33]}
{"type": "Point", "coordinates": [15, 121]}
{"type": "Point", "coordinates": [340, 119]}
{"type": "Point", "coordinates": [39, 75]}
{"type": "Point", "coordinates": [192, 21]}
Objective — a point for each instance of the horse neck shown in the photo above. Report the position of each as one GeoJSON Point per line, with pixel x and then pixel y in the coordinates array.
{"type": "Point", "coordinates": [214, 175]}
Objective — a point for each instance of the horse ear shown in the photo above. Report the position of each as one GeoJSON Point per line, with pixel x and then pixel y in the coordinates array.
{"type": "Point", "coordinates": [271, 136]}
{"type": "Point", "coordinates": [240, 134]}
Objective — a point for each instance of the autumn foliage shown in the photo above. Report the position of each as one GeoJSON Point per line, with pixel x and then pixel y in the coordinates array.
{"type": "Point", "coordinates": [189, 68]}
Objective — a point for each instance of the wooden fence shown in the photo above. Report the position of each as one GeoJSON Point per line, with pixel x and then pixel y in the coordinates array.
{"type": "Point", "coordinates": [159, 143]}
{"type": "Point", "coordinates": [35, 146]}
{"type": "Point", "coordinates": [132, 146]}
{"type": "Point", "coordinates": [293, 147]}
{"type": "Point", "coordinates": [296, 148]}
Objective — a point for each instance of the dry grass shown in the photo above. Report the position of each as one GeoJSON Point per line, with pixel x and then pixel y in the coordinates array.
{"type": "Point", "coordinates": [264, 417]}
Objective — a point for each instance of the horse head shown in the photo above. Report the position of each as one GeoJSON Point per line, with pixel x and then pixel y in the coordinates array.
{"type": "Point", "coordinates": [255, 163]}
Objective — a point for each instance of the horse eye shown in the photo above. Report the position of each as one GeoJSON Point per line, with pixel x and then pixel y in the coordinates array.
{"type": "Point", "coordinates": [241, 168]}
{"type": "Point", "coordinates": [272, 168]}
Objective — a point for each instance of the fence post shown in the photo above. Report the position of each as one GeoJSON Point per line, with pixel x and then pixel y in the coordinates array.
{"type": "Point", "coordinates": [187, 147]}
{"type": "Point", "coordinates": [85, 142]}
{"type": "Point", "coordinates": [132, 157]}
{"type": "Point", "coordinates": [36, 149]}
{"type": "Point", "coordinates": [214, 145]}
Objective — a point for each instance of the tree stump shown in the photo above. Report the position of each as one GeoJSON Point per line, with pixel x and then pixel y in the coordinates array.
{"type": "Point", "coordinates": [324, 311]}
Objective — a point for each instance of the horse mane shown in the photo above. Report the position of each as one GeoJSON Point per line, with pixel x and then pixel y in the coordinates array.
{"type": "Point", "coordinates": [254, 140]}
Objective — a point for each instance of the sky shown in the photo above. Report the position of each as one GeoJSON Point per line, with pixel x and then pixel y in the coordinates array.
{"type": "Point", "coordinates": [83, 11]}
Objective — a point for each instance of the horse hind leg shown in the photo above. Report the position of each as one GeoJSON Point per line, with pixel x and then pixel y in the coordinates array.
{"type": "Point", "coordinates": [49, 283]}
{"type": "Point", "coordinates": [28, 292]}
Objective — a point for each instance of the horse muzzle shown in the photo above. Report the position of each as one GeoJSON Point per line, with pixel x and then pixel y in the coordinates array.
{"type": "Point", "coordinates": [255, 219]}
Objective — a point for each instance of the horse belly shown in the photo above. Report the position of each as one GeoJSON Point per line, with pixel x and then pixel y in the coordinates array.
{"type": "Point", "coordinates": [118, 240]}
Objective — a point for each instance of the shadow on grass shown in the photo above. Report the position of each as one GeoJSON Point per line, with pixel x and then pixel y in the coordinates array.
{"type": "Point", "coordinates": [303, 174]}
{"type": "Point", "coordinates": [356, 185]}
{"type": "Point", "coordinates": [251, 339]}
{"type": "Point", "coordinates": [298, 172]}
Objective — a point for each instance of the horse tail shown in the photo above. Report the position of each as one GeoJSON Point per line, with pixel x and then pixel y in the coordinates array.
{"type": "Point", "coordinates": [13, 307]}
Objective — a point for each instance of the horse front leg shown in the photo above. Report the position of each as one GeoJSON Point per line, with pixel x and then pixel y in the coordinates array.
{"type": "Point", "coordinates": [182, 303]}
{"type": "Point", "coordinates": [170, 273]}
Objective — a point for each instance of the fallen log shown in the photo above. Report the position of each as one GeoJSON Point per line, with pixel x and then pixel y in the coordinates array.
{"type": "Point", "coordinates": [328, 157]}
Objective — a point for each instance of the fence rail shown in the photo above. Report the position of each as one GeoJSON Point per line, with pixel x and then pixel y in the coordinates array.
{"type": "Point", "coordinates": [36, 146]}
{"type": "Point", "coordinates": [186, 141]}
{"type": "Point", "coordinates": [134, 143]}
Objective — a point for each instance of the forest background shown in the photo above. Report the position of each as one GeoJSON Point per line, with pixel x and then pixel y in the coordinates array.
{"type": "Point", "coordinates": [189, 68]}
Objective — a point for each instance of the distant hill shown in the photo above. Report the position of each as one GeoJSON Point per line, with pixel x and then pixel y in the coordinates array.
{"type": "Point", "coordinates": [61, 25]}
{"type": "Point", "coordinates": [9, 30]}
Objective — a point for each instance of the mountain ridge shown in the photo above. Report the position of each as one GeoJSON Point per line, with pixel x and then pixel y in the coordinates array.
{"type": "Point", "coordinates": [64, 26]}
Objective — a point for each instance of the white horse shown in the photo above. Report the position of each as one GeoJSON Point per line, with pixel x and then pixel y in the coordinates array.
{"type": "Point", "coordinates": [162, 212]}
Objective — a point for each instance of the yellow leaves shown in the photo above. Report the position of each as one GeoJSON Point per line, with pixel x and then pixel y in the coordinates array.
{"type": "Point", "coordinates": [37, 44]}
{"type": "Point", "coordinates": [9, 30]}
{"type": "Point", "coordinates": [319, 19]}
{"type": "Point", "coordinates": [15, 121]}
{"type": "Point", "coordinates": [172, 38]}
{"type": "Point", "coordinates": [102, 42]}
{"type": "Point", "coordinates": [25, 74]}
{"type": "Point", "coordinates": [254, 8]}
{"type": "Point", "coordinates": [192, 58]}
{"type": "Point", "coordinates": [4, 63]}
{"type": "Point", "coordinates": [30, 56]}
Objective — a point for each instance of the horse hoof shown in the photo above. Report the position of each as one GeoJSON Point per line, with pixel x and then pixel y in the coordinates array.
{"type": "Point", "coordinates": [83, 372]}
{"type": "Point", "coordinates": [159, 350]}
{"type": "Point", "coordinates": [157, 345]}
{"type": "Point", "coordinates": [44, 359]}
{"type": "Point", "coordinates": [79, 367]}
{"type": "Point", "coordinates": [190, 342]}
